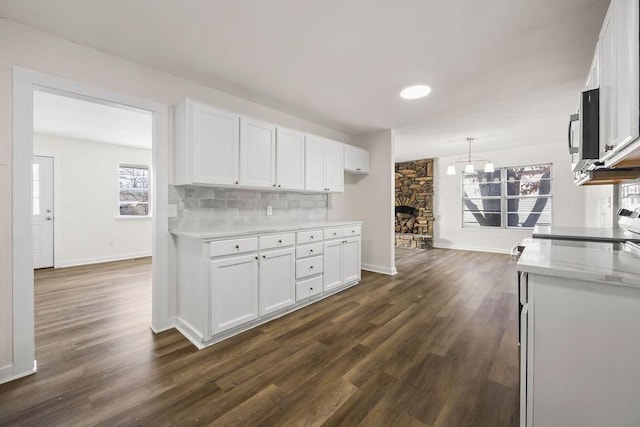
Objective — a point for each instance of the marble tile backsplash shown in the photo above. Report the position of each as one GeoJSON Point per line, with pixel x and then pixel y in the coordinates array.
{"type": "Point", "coordinates": [200, 208]}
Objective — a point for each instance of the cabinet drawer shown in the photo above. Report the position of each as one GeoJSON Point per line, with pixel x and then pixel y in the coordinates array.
{"type": "Point", "coordinates": [233, 246]}
{"type": "Point", "coordinates": [309, 266]}
{"type": "Point", "coordinates": [309, 236]}
{"type": "Point", "coordinates": [333, 233]}
{"type": "Point", "coordinates": [309, 250]}
{"type": "Point", "coordinates": [277, 241]}
{"type": "Point", "coordinates": [352, 231]}
{"type": "Point", "coordinates": [308, 288]}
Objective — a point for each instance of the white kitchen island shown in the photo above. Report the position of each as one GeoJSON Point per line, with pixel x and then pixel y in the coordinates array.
{"type": "Point", "coordinates": [231, 279]}
{"type": "Point", "coordinates": [580, 335]}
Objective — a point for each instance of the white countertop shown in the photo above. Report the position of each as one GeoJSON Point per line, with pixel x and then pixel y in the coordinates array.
{"type": "Point", "coordinates": [597, 263]}
{"type": "Point", "coordinates": [253, 229]}
{"type": "Point", "coordinates": [585, 233]}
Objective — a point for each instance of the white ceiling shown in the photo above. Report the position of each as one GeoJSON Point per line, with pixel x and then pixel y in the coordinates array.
{"type": "Point", "coordinates": [504, 71]}
{"type": "Point", "coordinates": [91, 121]}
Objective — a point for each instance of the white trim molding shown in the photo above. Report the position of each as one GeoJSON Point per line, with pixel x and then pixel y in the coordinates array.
{"type": "Point", "coordinates": [24, 83]}
{"type": "Point", "coordinates": [379, 269]}
{"type": "Point", "coordinates": [99, 260]}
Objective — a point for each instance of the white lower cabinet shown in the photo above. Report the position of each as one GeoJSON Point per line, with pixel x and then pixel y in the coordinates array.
{"type": "Point", "coordinates": [233, 292]}
{"type": "Point", "coordinates": [341, 262]}
{"type": "Point", "coordinates": [227, 286]}
{"type": "Point", "coordinates": [277, 280]}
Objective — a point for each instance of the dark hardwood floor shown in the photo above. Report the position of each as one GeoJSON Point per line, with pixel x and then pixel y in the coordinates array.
{"type": "Point", "coordinates": [433, 346]}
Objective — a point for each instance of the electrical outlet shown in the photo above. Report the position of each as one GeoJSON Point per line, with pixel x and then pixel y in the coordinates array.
{"type": "Point", "coordinates": [269, 210]}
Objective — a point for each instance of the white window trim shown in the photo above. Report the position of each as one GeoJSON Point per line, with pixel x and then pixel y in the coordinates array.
{"type": "Point", "coordinates": [503, 199]}
{"type": "Point", "coordinates": [139, 166]}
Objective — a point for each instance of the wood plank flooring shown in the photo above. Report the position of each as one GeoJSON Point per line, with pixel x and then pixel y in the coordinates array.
{"type": "Point", "coordinates": [434, 345]}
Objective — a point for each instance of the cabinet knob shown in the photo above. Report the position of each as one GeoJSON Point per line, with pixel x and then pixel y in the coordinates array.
{"type": "Point", "coordinates": [279, 185]}
{"type": "Point", "coordinates": [335, 234]}
{"type": "Point", "coordinates": [310, 289]}
{"type": "Point", "coordinates": [608, 147]}
{"type": "Point", "coordinates": [310, 250]}
{"type": "Point", "coordinates": [274, 185]}
{"type": "Point", "coordinates": [311, 267]}
{"type": "Point", "coordinates": [237, 246]}
{"type": "Point", "coordinates": [256, 257]}
{"type": "Point", "coordinates": [311, 237]}
{"type": "Point", "coordinates": [279, 241]}
{"type": "Point", "coordinates": [353, 231]}
{"type": "Point", "coordinates": [264, 256]}
{"type": "Point", "coordinates": [236, 182]}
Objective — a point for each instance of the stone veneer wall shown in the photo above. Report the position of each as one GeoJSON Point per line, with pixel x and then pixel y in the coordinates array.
{"type": "Point", "coordinates": [414, 188]}
{"type": "Point", "coordinates": [200, 208]}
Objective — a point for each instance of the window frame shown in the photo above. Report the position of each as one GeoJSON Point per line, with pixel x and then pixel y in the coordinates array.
{"type": "Point", "coordinates": [504, 198]}
{"type": "Point", "coordinates": [122, 165]}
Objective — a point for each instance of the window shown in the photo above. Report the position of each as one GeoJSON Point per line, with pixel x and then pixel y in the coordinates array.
{"type": "Point", "coordinates": [133, 190]}
{"type": "Point", "coordinates": [513, 197]}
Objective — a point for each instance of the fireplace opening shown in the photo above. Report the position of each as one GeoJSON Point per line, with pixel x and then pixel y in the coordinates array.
{"type": "Point", "coordinates": [414, 204]}
{"type": "Point", "coordinates": [406, 219]}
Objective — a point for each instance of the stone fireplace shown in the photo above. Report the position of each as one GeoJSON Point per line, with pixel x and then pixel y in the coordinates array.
{"type": "Point", "coordinates": [414, 204]}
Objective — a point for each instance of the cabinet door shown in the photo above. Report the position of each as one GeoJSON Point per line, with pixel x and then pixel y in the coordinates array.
{"type": "Point", "coordinates": [233, 292]}
{"type": "Point", "coordinates": [334, 175]}
{"type": "Point", "coordinates": [332, 264]}
{"type": "Point", "coordinates": [257, 153]}
{"type": "Point", "coordinates": [277, 280]}
{"type": "Point", "coordinates": [619, 77]}
{"type": "Point", "coordinates": [351, 260]}
{"type": "Point", "coordinates": [356, 160]}
{"type": "Point", "coordinates": [290, 159]}
{"type": "Point", "coordinates": [314, 165]}
{"type": "Point", "coordinates": [215, 139]}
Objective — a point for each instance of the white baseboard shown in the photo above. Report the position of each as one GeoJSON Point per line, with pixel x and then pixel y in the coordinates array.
{"type": "Point", "coordinates": [170, 325]}
{"type": "Point", "coordinates": [472, 248]}
{"type": "Point", "coordinates": [98, 260]}
{"type": "Point", "coordinates": [379, 269]}
{"type": "Point", "coordinates": [7, 373]}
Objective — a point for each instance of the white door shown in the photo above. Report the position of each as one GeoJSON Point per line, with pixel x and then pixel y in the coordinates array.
{"type": "Point", "coordinates": [332, 264]}
{"type": "Point", "coordinates": [216, 142]}
{"type": "Point", "coordinates": [233, 292]}
{"type": "Point", "coordinates": [257, 153]}
{"type": "Point", "coordinates": [277, 280]}
{"type": "Point", "coordinates": [43, 215]}
{"type": "Point", "coordinates": [351, 260]}
{"type": "Point", "coordinates": [290, 160]}
{"type": "Point", "coordinates": [334, 175]}
{"type": "Point", "coordinates": [314, 165]}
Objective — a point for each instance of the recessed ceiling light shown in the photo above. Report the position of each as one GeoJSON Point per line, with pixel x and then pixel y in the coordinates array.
{"type": "Point", "coordinates": [415, 92]}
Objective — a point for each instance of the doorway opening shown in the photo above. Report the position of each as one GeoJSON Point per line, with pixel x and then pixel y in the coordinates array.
{"type": "Point", "coordinates": [25, 85]}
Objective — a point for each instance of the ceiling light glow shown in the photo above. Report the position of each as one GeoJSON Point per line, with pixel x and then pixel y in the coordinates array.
{"type": "Point", "coordinates": [415, 92]}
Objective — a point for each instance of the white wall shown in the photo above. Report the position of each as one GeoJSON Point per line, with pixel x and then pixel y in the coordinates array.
{"type": "Point", "coordinates": [86, 204]}
{"type": "Point", "coordinates": [600, 204]}
{"type": "Point", "coordinates": [370, 198]}
{"type": "Point", "coordinates": [568, 199]}
{"type": "Point", "coordinates": [34, 50]}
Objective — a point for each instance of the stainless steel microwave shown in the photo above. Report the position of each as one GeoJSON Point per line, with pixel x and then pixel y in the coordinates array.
{"type": "Point", "coordinates": [584, 131]}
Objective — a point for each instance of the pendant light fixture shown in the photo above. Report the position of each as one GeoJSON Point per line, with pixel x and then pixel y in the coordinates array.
{"type": "Point", "coordinates": [469, 161]}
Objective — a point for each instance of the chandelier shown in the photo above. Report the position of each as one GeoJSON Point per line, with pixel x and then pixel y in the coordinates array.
{"type": "Point", "coordinates": [469, 161]}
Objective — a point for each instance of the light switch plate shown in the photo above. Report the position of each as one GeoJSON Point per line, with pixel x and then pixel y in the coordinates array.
{"type": "Point", "coordinates": [269, 210]}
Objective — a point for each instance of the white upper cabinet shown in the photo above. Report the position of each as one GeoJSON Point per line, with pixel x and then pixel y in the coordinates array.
{"type": "Point", "coordinates": [214, 147]}
{"type": "Point", "coordinates": [324, 165]}
{"type": "Point", "coordinates": [314, 164]}
{"type": "Point", "coordinates": [356, 160]}
{"type": "Point", "coordinates": [257, 153]}
{"type": "Point", "coordinates": [207, 144]}
{"type": "Point", "coordinates": [289, 159]}
{"type": "Point", "coordinates": [619, 78]}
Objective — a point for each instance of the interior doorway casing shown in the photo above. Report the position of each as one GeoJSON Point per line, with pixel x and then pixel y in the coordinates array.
{"type": "Point", "coordinates": [24, 84]}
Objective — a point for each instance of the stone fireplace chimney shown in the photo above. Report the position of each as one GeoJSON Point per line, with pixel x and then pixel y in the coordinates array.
{"type": "Point", "coordinates": [414, 204]}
